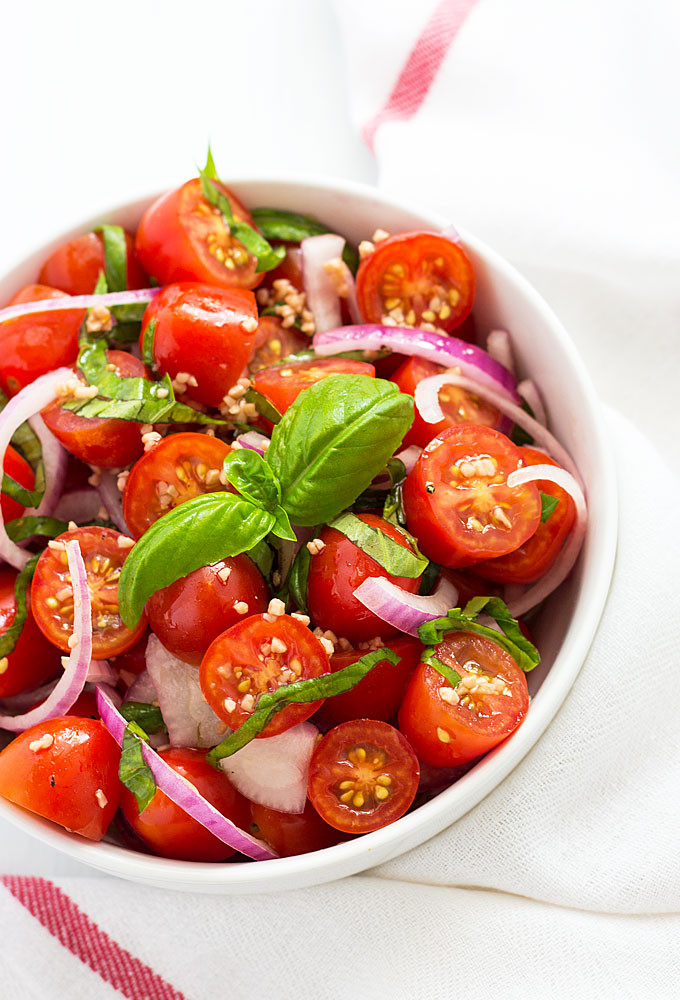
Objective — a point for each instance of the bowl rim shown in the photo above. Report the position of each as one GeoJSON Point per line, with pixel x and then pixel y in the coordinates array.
{"type": "Point", "coordinates": [449, 805]}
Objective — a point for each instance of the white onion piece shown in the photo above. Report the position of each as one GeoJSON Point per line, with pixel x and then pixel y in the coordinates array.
{"type": "Point", "coordinates": [530, 394]}
{"type": "Point", "coordinates": [190, 720]}
{"type": "Point", "coordinates": [110, 496]}
{"type": "Point", "coordinates": [427, 401]}
{"type": "Point", "coordinates": [499, 347]}
{"type": "Point", "coordinates": [182, 792]}
{"type": "Point", "coordinates": [451, 233]}
{"type": "Point", "coordinates": [27, 403]}
{"type": "Point", "coordinates": [405, 611]}
{"type": "Point", "coordinates": [142, 689]}
{"type": "Point", "coordinates": [320, 291]}
{"type": "Point", "coordinates": [79, 505]}
{"type": "Point", "coordinates": [55, 462]}
{"type": "Point", "coordinates": [409, 456]}
{"type": "Point", "coordinates": [78, 302]}
{"type": "Point", "coordinates": [253, 440]}
{"type": "Point", "coordinates": [65, 692]}
{"type": "Point", "coordinates": [273, 771]}
{"type": "Point", "coordinates": [568, 555]}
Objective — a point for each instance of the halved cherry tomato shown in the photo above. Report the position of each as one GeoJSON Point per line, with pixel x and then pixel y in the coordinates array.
{"type": "Point", "coordinates": [34, 660]}
{"type": "Point", "coordinates": [108, 443]}
{"type": "Point", "coordinates": [36, 344]}
{"type": "Point", "coordinates": [178, 468]}
{"type": "Point", "coordinates": [52, 592]}
{"type": "Point", "coordinates": [362, 776]}
{"type": "Point", "coordinates": [282, 384]}
{"type": "Point", "coordinates": [16, 466]}
{"type": "Point", "coordinates": [416, 278]}
{"type": "Point", "coordinates": [447, 727]}
{"type": "Point", "coordinates": [336, 572]}
{"type": "Point", "coordinates": [75, 266]}
{"type": "Point", "coordinates": [457, 501]}
{"type": "Point", "coordinates": [256, 656]}
{"type": "Point", "coordinates": [535, 557]}
{"type": "Point", "coordinates": [71, 777]}
{"type": "Point", "coordinates": [85, 706]}
{"type": "Point", "coordinates": [273, 342]}
{"type": "Point", "coordinates": [182, 237]}
{"type": "Point", "coordinates": [379, 694]}
{"type": "Point", "coordinates": [205, 332]}
{"type": "Point", "coordinates": [459, 405]}
{"type": "Point", "coordinates": [194, 610]}
{"type": "Point", "coordinates": [168, 830]}
{"type": "Point", "coordinates": [290, 834]}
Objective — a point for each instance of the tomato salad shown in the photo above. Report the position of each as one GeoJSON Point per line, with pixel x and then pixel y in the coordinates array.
{"type": "Point", "coordinates": [270, 522]}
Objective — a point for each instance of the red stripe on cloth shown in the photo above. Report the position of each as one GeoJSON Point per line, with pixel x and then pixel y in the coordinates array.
{"type": "Point", "coordinates": [422, 65]}
{"type": "Point", "coordinates": [83, 938]}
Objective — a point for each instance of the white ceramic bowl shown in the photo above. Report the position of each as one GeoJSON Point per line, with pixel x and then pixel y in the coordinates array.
{"type": "Point", "coordinates": [564, 629]}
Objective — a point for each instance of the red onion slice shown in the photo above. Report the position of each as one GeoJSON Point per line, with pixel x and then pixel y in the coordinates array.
{"type": "Point", "coordinates": [253, 440]}
{"type": "Point", "coordinates": [142, 689]}
{"type": "Point", "coordinates": [55, 462]}
{"type": "Point", "coordinates": [78, 302]}
{"type": "Point", "coordinates": [530, 394]}
{"type": "Point", "coordinates": [273, 771]}
{"type": "Point", "coordinates": [405, 611]}
{"type": "Point", "coordinates": [499, 348]}
{"type": "Point", "coordinates": [71, 683]}
{"type": "Point", "coordinates": [320, 290]}
{"type": "Point", "coordinates": [181, 792]}
{"type": "Point", "coordinates": [568, 555]}
{"type": "Point", "coordinates": [79, 505]}
{"type": "Point", "coordinates": [427, 401]}
{"type": "Point", "coordinates": [110, 496]}
{"type": "Point", "coordinates": [409, 456]}
{"type": "Point", "coordinates": [102, 672]}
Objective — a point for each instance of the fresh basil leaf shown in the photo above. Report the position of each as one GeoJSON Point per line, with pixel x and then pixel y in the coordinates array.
{"type": "Point", "coordinates": [24, 439]}
{"type": "Point", "coordinates": [248, 472]}
{"type": "Point", "coordinates": [263, 557]}
{"type": "Point", "coordinates": [548, 505]}
{"type": "Point", "coordinates": [148, 717]}
{"type": "Point", "coordinates": [293, 227]}
{"type": "Point", "coordinates": [133, 772]}
{"type": "Point", "coordinates": [301, 692]}
{"type": "Point", "coordinates": [263, 406]}
{"type": "Point", "coordinates": [138, 402]}
{"type": "Point", "coordinates": [397, 559]}
{"type": "Point", "coordinates": [298, 576]}
{"type": "Point", "coordinates": [518, 435]}
{"type": "Point", "coordinates": [115, 257]}
{"type": "Point", "coordinates": [147, 348]}
{"type": "Point", "coordinates": [25, 527]}
{"type": "Point", "coordinates": [452, 676]}
{"type": "Point", "coordinates": [25, 497]}
{"type": "Point", "coordinates": [10, 637]}
{"type": "Point", "coordinates": [210, 170]}
{"type": "Point", "coordinates": [268, 257]}
{"type": "Point", "coordinates": [281, 526]}
{"type": "Point", "coordinates": [429, 579]}
{"type": "Point", "coordinates": [196, 533]}
{"type": "Point", "coordinates": [333, 440]}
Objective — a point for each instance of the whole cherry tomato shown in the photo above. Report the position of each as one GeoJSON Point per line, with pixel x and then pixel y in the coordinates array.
{"type": "Point", "coordinates": [283, 383]}
{"type": "Point", "coordinates": [38, 343]}
{"type": "Point", "coordinates": [34, 660]}
{"type": "Point", "coordinates": [291, 833]}
{"type": "Point", "coordinates": [74, 267]}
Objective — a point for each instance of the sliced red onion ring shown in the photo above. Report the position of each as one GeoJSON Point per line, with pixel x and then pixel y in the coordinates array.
{"type": "Point", "coordinates": [499, 348]}
{"type": "Point", "coordinates": [79, 505]}
{"type": "Point", "coordinates": [427, 401]}
{"type": "Point", "coordinates": [142, 689]}
{"type": "Point", "coordinates": [55, 462]}
{"type": "Point", "coordinates": [530, 394]}
{"type": "Point", "coordinates": [409, 456]}
{"type": "Point", "coordinates": [78, 302]}
{"type": "Point", "coordinates": [253, 440]}
{"type": "Point", "coordinates": [182, 792]}
{"type": "Point", "coordinates": [442, 350]}
{"type": "Point", "coordinates": [19, 702]}
{"type": "Point", "coordinates": [71, 683]}
{"type": "Point", "coordinates": [110, 496]}
{"type": "Point", "coordinates": [568, 555]}
{"type": "Point", "coordinates": [320, 290]}
{"type": "Point", "coordinates": [405, 611]}
{"type": "Point", "coordinates": [273, 771]}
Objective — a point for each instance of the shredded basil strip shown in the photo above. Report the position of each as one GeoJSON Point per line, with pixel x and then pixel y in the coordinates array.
{"type": "Point", "coordinates": [396, 559]}
{"type": "Point", "coordinates": [393, 508]}
{"type": "Point", "coordinates": [115, 257]}
{"type": "Point", "coordinates": [548, 505]}
{"type": "Point", "coordinates": [518, 435]}
{"type": "Point", "coordinates": [293, 227]}
{"type": "Point", "coordinates": [301, 692]}
{"type": "Point", "coordinates": [429, 579]}
{"type": "Point", "coordinates": [24, 439]}
{"type": "Point", "coordinates": [133, 772]}
{"type": "Point", "coordinates": [263, 557]}
{"type": "Point", "coordinates": [511, 639]}
{"type": "Point", "coordinates": [9, 639]}
{"type": "Point", "coordinates": [452, 676]}
{"type": "Point", "coordinates": [298, 576]}
{"type": "Point", "coordinates": [147, 348]}
{"type": "Point", "coordinates": [263, 406]}
{"type": "Point", "coordinates": [148, 717]}
{"type": "Point", "coordinates": [29, 525]}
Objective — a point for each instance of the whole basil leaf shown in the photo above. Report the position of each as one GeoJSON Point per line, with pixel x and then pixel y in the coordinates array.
{"type": "Point", "coordinates": [333, 440]}
{"type": "Point", "coordinates": [281, 526]}
{"type": "Point", "coordinates": [393, 557]}
{"type": "Point", "coordinates": [196, 533]}
{"type": "Point", "coordinates": [248, 472]}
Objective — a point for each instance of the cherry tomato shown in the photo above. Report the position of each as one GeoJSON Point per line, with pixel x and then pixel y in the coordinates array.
{"type": "Point", "coordinates": [469, 585]}
{"type": "Point", "coordinates": [182, 237]}
{"type": "Point", "coordinates": [255, 656]}
{"type": "Point", "coordinates": [447, 727]}
{"type": "Point", "coordinates": [535, 557]}
{"type": "Point", "coordinates": [458, 405]}
{"type": "Point", "coordinates": [282, 384]}
{"type": "Point", "coordinates": [379, 694]}
{"type": "Point", "coordinates": [107, 443]}
{"type": "Point", "coordinates": [36, 344]}
{"type": "Point", "coordinates": [336, 572]}
{"type": "Point", "coordinates": [291, 834]}
{"type": "Point", "coordinates": [168, 830]}
{"type": "Point", "coordinates": [416, 278]}
{"type": "Point", "coordinates": [205, 332]}
{"type": "Point", "coordinates": [71, 777]}
{"type": "Point", "coordinates": [192, 611]}
{"type": "Point", "coordinates": [16, 466]}
{"type": "Point", "coordinates": [457, 501]}
{"type": "Point", "coordinates": [273, 342]}
{"type": "Point", "coordinates": [178, 468]}
{"type": "Point", "coordinates": [362, 776]}
{"type": "Point", "coordinates": [75, 266]}
{"type": "Point", "coordinates": [290, 269]}
{"type": "Point", "coordinates": [34, 660]}
{"type": "Point", "coordinates": [52, 592]}
{"type": "Point", "coordinates": [85, 706]}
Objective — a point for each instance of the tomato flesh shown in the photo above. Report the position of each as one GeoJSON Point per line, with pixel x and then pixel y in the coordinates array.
{"type": "Point", "coordinates": [282, 384]}
{"type": "Point", "coordinates": [457, 500]}
{"type": "Point", "coordinates": [38, 343]}
{"type": "Point", "coordinates": [34, 660]}
{"type": "Point", "coordinates": [52, 592]}
{"type": "Point", "coordinates": [72, 779]}
{"type": "Point", "coordinates": [274, 342]}
{"type": "Point", "coordinates": [290, 834]}
{"type": "Point", "coordinates": [74, 267]}
{"type": "Point", "coordinates": [448, 727]}
{"type": "Point", "coordinates": [256, 656]}
{"type": "Point", "coordinates": [362, 776]}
